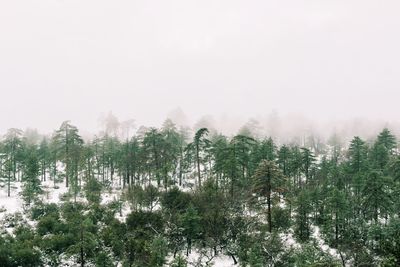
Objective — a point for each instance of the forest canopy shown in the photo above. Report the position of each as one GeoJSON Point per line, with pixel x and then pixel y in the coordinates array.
{"type": "Point", "coordinates": [170, 196]}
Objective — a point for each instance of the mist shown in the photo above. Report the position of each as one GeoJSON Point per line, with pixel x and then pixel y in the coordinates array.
{"type": "Point", "coordinates": [295, 67]}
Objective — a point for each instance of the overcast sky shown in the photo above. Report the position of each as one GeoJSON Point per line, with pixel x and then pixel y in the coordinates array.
{"type": "Point", "coordinates": [76, 59]}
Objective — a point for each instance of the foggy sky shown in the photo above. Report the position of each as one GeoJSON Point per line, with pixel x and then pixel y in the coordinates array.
{"type": "Point", "coordinates": [77, 59]}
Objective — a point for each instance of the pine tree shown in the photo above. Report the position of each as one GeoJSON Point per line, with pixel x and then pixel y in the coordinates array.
{"type": "Point", "coordinates": [244, 147]}
{"type": "Point", "coordinates": [191, 227]}
{"type": "Point", "coordinates": [31, 186]}
{"type": "Point", "coordinates": [394, 169]}
{"type": "Point", "coordinates": [197, 147]}
{"type": "Point", "coordinates": [376, 197]}
{"type": "Point", "coordinates": [283, 159]}
{"type": "Point", "coordinates": [308, 160]}
{"type": "Point", "coordinates": [152, 144]}
{"type": "Point", "coordinates": [387, 139]}
{"type": "Point", "coordinates": [86, 241]}
{"type": "Point", "coordinates": [266, 150]}
{"type": "Point", "coordinates": [44, 158]}
{"type": "Point", "coordinates": [302, 220]}
{"type": "Point", "coordinates": [219, 150]}
{"type": "Point", "coordinates": [172, 151]}
{"type": "Point", "coordinates": [268, 179]}
{"type": "Point", "coordinates": [68, 143]}
{"type": "Point", "coordinates": [12, 148]}
{"type": "Point", "coordinates": [158, 252]}
{"type": "Point", "coordinates": [379, 156]}
{"type": "Point", "coordinates": [339, 209]}
{"type": "Point", "coordinates": [357, 155]}
{"type": "Point", "coordinates": [383, 149]}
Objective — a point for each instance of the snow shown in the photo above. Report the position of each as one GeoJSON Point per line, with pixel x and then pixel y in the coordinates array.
{"type": "Point", "coordinates": [12, 204]}
{"type": "Point", "coordinates": [282, 203]}
{"type": "Point", "coordinates": [206, 258]}
{"type": "Point", "coordinates": [125, 211]}
{"type": "Point", "coordinates": [53, 192]}
{"type": "Point", "coordinates": [223, 261]}
{"type": "Point", "coordinates": [109, 197]}
{"type": "Point", "coordinates": [316, 235]}
{"type": "Point", "coordinates": [288, 240]}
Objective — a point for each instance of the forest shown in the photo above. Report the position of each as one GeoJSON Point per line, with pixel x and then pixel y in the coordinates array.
{"type": "Point", "coordinates": [172, 196]}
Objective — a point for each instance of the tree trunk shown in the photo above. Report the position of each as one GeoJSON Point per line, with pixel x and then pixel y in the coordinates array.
{"type": "Point", "coordinates": [233, 258]}
{"type": "Point", "coordinates": [8, 185]}
{"type": "Point", "coordinates": [198, 164]}
{"type": "Point", "coordinates": [269, 212]}
{"type": "Point", "coordinates": [81, 249]}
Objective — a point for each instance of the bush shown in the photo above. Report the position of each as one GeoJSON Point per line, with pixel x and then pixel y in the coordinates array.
{"type": "Point", "coordinates": [47, 225]}
{"type": "Point", "coordinates": [311, 256]}
{"type": "Point", "coordinates": [150, 222]}
{"type": "Point", "coordinates": [27, 257]}
{"type": "Point", "coordinates": [93, 191]}
{"type": "Point", "coordinates": [57, 243]}
{"type": "Point", "coordinates": [175, 200]}
{"type": "Point", "coordinates": [41, 210]}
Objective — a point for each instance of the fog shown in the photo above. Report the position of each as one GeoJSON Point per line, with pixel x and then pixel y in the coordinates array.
{"type": "Point", "coordinates": [294, 66]}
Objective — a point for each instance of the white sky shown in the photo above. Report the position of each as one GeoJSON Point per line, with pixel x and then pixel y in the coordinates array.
{"type": "Point", "coordinates": [76, 59]}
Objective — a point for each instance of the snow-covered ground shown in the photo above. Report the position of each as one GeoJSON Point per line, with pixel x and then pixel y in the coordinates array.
{"type": "Point", "coordinates": [288, 240]}
{"type": "Point", "coordinates": [13, 203]}
{"type": "Point", "coordinates": [316, 235]}
{"type": "Point", "coordinates": [205, 258]}
{"type": "Point", "coordinates": [53, 192]}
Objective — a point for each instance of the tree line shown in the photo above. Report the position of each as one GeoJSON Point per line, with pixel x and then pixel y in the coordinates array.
{"type": "Point", "coordinates": [235, 196]}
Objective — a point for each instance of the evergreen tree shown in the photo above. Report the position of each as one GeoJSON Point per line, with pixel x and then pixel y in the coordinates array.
{"type": "Point", "coordinates": [357, 155]}
{"type": "Point", "coordinates": [68, 143]}
{"type": "Point", "coordinates": [266, 150]}
{"type": "Point", "coordinates": [283, 159]}
{"type": "Point", "coordinates": [268, 179]}
{"type": "Point", "coordinates": [12, 148]}
{"type": "Point", "coordinates": [191, 227]}
{"type": "Point", "coordinates": [387, 139]}
{"type": "Point", "coordinates": [198, 147]}
{"type": "Point", "coordinates": [244, 147]}
{"type": "Point", "coordinates": [302, 220]}
{"type": "Point", "coordinates": [44, 158]}
{"type": "Point", "coordinates": [376, 197]}
{"type": "Point", "coordinates": [86, 243]}
{"type": "Point", "coordinates": [31, 172]}
{"type": "Point", "coordinates": [152, 145]}
{"type": "Point", "coordinates": [308, 160]}
{"type": "Point", "coordinates": [394, 169]}
{"type": "Point", "coordinates": [338, 209]}
{"type": "Point", "coordinates": [158, 252]}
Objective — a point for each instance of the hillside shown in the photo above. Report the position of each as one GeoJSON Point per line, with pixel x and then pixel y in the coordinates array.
{"type": "Point", "coordinates": [166, 197]}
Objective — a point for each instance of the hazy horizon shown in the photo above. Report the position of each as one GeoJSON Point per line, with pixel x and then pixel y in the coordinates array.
{"type": "Point", "coordinates": [324, 61]}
